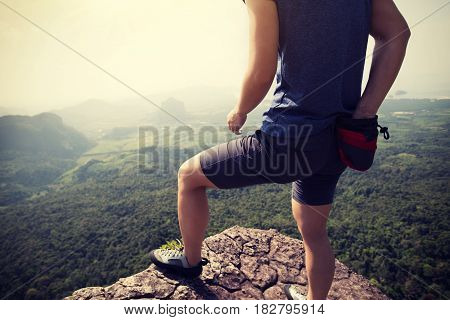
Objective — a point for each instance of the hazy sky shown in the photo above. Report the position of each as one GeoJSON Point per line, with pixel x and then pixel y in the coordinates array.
{"type": "Point", "coordinates": [157, 45]}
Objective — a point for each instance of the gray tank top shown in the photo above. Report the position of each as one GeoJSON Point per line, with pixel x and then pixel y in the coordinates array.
{"type": "Point", "coordinates": [322, 45]}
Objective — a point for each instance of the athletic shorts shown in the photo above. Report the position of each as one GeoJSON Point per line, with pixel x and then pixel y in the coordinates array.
{"type": "Point", "coordinates": [311, 163]}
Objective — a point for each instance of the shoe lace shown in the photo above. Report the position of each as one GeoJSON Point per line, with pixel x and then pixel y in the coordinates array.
{"type": "Point", "coordinates": [177, 253]}
{"type": "Point", "coordinates": [175, 249]}
{"type": "Point", "coordinates": [172, 252]}
{"type": "Point", "coordinates": [173, 245]}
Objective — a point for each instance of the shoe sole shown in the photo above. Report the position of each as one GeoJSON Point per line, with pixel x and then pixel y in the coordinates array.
{"type": "Point", "coordinates": [193, 272]}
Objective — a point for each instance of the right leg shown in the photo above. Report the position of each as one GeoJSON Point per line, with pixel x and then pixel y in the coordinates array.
{"type": "Point", "coordinates": [193, 213]}
{"type": "Point", "coordinates": [224, 166]}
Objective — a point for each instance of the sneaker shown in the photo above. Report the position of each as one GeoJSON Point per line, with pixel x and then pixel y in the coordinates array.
{"type": "Point", "coordinates": [175, 260]}
{"type": "Point", "coordinates": [293, 292]}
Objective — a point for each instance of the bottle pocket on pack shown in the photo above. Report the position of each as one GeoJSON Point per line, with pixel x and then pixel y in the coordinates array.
{"type": "Point", "coordinates": [357, 141]}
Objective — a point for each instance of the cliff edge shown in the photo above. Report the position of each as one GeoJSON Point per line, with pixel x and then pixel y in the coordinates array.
{"type": "Point", "coordinates": [245, 263]}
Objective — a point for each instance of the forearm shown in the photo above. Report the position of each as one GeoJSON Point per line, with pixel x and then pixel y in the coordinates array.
{"type": "Point", "coordinates": [253, 91]}
{"type": "Point", "coordinates": [387, 60]}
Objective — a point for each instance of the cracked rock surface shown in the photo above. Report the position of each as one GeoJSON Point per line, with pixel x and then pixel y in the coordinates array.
{"type": "Point", "coordinates": [245, 263]}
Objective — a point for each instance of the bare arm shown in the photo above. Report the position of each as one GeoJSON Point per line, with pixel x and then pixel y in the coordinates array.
{"type": "Point", "coordinates": [391, 34]}
{"type": "Point", "coordinates": [262, 60]}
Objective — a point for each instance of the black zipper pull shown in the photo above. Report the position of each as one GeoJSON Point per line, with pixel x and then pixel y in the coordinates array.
{"type": "Point", "coordinates": [384, 131]}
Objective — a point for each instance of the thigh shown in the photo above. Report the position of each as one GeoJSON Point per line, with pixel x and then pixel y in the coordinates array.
{"type": "Point", "coordinates": [234, 164]}
{"type": "Point", "coordinates": [316, 190]}
{"type": "Point", "coordinates": [320, 187]}
{"type": "Point", "coordinates": [303, 156]}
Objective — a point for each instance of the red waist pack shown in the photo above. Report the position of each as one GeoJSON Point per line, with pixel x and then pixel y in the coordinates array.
{"type": "Point", "coordinates": [357, 141]}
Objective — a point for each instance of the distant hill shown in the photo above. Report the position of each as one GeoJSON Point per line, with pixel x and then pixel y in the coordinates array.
{"type": "Point", "coordinates": [34, 151]}
{"type": "Point", "coordinates": [200, 99]}
{"type": "Point", "coordinates": [174, 112]}
{"type": "Point", "coordinates": [392, 105]}
{"type": "Point", "coordinates": [94, 117]}
{"type": "Point", "coordinates": [192, 105]}
{"type": "Point", "coordinates": [43, 133]}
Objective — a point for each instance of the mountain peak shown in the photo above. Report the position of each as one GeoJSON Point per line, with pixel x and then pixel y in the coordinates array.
{"type": "Point", "coordinates": [245, 263]}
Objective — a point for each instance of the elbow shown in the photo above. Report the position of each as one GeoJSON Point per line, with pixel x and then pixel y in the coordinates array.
{"type": "Point", "coordinates": [404, 39]}
{"type": "Point", "coordinates": [400, 37]}
{"type": "Point", "coordinates": [405, 35]}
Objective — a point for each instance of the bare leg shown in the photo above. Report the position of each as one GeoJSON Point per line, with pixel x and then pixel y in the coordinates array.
{"type": "Point", "coordinates": [312, 221]}
{"type": "Point", "coordinates": [193, 212]}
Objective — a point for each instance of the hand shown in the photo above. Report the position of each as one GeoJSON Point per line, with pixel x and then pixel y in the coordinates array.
{"type": "Point", "coordinates": [235, 121]}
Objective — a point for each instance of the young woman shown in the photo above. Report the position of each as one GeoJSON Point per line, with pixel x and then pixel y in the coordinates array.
{"type": "Point", "coordinates": [320, 47]}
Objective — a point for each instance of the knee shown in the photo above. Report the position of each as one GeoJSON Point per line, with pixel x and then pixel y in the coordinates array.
{"type": "Point", "coordinates": [183, 173]}
{"type": "Point", "coordinates": [186, 175]}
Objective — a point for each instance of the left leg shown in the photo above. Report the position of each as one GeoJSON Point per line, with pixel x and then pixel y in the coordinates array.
{"type": "Point", "coordinates": [319, 257]}
{"type": "Point", "coordinates": [312, 199]}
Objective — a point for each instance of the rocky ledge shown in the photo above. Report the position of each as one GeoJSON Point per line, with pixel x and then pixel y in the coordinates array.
{"type": "Point", "coordinates": [245, 263]}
